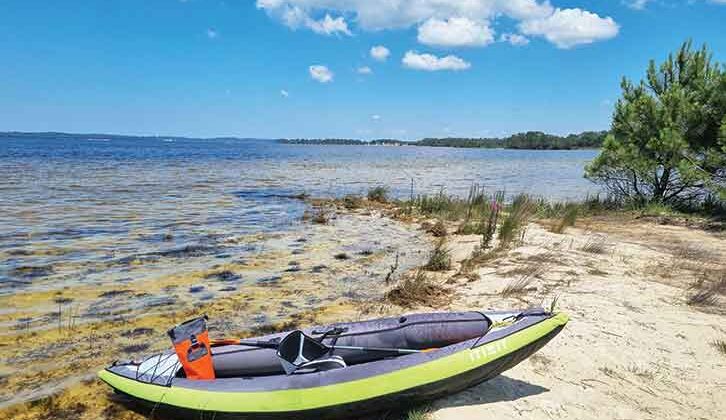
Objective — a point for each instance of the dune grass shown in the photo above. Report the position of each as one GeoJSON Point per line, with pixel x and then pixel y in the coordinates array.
{"type": "Point", "coordinates": [438, 229]}
{"type": "Point", "coordinates": [534, 268]}
{"type": "Point", "coordinates": [439, 258]}
{"type": "Point", "coordinates": [317, 215]}
{"type": "Point", "coordinates": [568, 219]}
{"type": "Point", "coordinates": [595, 244]}
{"type": "Point", "coordinates": [706, 291]}
{"type": "Point", "coordinates": [418, 289]}
{"type": "Point", "coordinates": [378, 194]}
{"type": "Point", "coordinates": [352, 202]}
{"type": "Point", "coordinates": [720, 345]}
{"type": "Point", "coordinates": [518, 215]}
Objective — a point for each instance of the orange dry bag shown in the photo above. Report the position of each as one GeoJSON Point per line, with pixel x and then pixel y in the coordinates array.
{"type": "Point", "coordinates": [191, 343]}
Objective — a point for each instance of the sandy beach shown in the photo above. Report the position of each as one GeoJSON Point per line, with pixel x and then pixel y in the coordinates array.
{"type": "Point", "coordinates": [633, 348]}
{"type": "Point", "coordinates": [634, 345]}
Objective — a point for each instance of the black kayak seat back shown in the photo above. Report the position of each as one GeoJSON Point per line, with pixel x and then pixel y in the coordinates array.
{"type": "Point", "coordinates": [297, 350]}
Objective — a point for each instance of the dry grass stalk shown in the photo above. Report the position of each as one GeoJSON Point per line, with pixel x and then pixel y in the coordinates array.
{"type": "Point", "coordinates": [706, 291]}
{"type": "Point", "coordinates": [595, 244]}
{"type": "Point", "coordinates": [417, 289]}
{"type": "Point", "coordinates": [720, 345]}
{"type": "Point", "coordinates": [352, 202]}
{"type": "Point", "coordinates": [530, 273]}
{"type": "Point", "coordinates": [318, 215]}
{"type": "Point", "coordinates": [567, 220]}
{"type": "Point", "coordinates": [438, 229]}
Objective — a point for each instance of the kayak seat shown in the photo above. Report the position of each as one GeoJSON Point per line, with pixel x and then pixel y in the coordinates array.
{"type": "Point", "coordinates": [319, 365]}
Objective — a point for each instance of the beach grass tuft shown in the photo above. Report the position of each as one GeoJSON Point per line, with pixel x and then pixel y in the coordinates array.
{"type": "Point", "coordinates": [319, 215]}
{"type": "Point", "coordinates": [477, 258]}
{"type": "Point", "coordinates": [352, 202]}
{"type": "Point", "coordinates": [378, 194]}
{"type": "Point", "coordinates": [439, 258]}
{"type": "Point", "coordinates": [518, 215]}
{"type": "Point", "coordinates": [705, 292]}
{"type": "Point", "coordinates": [418, 414]}
{"type": "Point", "coordinates": [534, 268]}
{"type": "Point", "coordinates": [595, 244]}
{"type": "Point", "coordinates": [720, 345]}
{"type": "Point", "coordinates": [568, 219]}
{"type": "Point", "coordinates": [438, 229]}
{"type": "Point", "coordinates": [417, 288]}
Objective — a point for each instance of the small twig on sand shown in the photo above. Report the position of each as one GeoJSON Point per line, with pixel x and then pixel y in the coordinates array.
{"type": "Point", "coordinates": [393, 269]}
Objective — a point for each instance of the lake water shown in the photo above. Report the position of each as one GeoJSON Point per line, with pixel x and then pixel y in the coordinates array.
{"type": "Point", "coordinates": [77, 205]}
{"type": "Point", "coordinates": [95, 212]}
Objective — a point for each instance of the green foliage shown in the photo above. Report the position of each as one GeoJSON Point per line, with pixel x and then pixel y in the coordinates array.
{"type": "Point", "coordinates": [568, 219]}
{"type": "Point", "coordinates": [518, 215]}
{"type": "Point", "coordinates": [440, 258]}
{"type": "Point", "coordinates": [419, 414]}
{"type": "Point", "coordinates": [668, 135]}
{"type": "Point", "coordinates": [489, 226]}
{"type": "Point", "coordinates": [378, 193]}
{"type": "Point", "coordinates": [529, 140]}
{"type": "Point", "coordinates": [472, 209]}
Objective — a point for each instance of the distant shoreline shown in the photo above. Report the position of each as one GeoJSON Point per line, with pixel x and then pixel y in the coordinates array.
{"type": "Point", "coordinates": [531, 140]}
{"type": "Point", "coordinates": [106, 136]}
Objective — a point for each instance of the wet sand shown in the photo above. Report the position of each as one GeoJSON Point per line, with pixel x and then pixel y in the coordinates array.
{"type": "Point", "coordinates": [52, 340]}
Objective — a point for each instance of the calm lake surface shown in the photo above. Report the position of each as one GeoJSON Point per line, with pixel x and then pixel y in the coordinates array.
{"type": "Point", "coordinates": [87, 202]}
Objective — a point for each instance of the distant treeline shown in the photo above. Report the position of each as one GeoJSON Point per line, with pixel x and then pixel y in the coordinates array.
{"type": "Point", "coordinates": [97, 136]}
{"type": "Point", "coordinates": [529, 140]}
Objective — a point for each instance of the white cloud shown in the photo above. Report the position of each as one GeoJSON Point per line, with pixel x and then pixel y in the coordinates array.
{"type": "Point", "coordinates": [329, 26]}
{"type": "Point", "coordinates": [430, 62]}
{"type": "Point", "coordinates": [638, 4]}
{"type": "Point", "coordinates": [212, 33]}
{"type": "Point", "coordinates": [380, 53]}
{"type": "Point", "coordinates": [455, 32]}
{"type": "Point", "coordinates": [364, 70]}
{"type": "Point", "coordinates": [446, 22]}
{"type": "Point", "coordinates": [514, 39]}
{"type": "Point", "coordinates": [375, 117]}
{"type": "Point", "coordinates": [393, 14]}
{"type": "Point", "coordinates": [296, 17]}
{"type": "Point", "coordinates": [569, 27]}
{"type": "Point", "coordinates": [284, 93]}
{"type": "Point", "coordinates": [321, 73]}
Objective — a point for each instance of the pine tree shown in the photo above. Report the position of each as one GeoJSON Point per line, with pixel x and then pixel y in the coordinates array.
{"type": "Point", "coordinates": [668, 136]}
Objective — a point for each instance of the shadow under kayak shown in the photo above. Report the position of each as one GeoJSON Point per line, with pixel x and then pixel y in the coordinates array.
{"type": "Point", "coordinates": [468, 348]}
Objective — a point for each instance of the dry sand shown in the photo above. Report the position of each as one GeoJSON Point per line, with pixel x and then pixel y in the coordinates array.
{"type": "Point", "coordinates": [633, 348]}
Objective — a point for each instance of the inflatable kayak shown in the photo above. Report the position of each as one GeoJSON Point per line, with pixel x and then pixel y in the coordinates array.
{"type": "Point", "coordinates": [360, 367]}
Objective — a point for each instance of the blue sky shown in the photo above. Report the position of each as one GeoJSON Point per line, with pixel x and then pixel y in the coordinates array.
{"type": "Point", "coordinates": [297, 68]}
